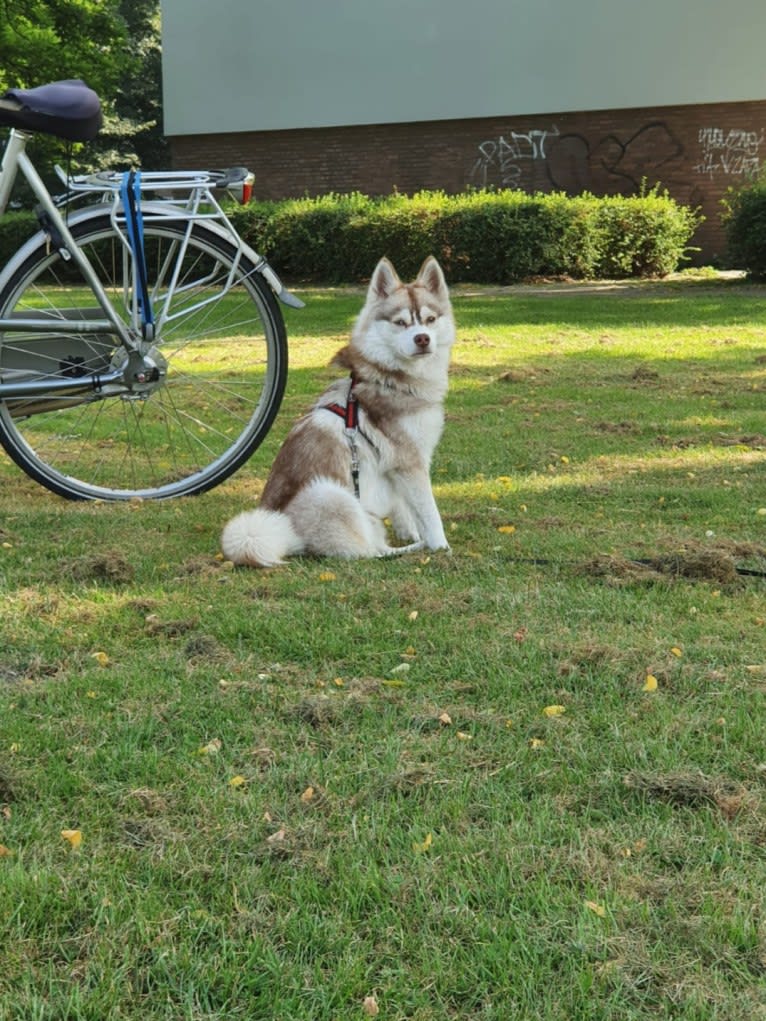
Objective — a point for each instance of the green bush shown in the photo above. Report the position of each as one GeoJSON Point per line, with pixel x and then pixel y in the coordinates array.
{"type": "Point", "coordinates": [641, 236]}
{"type": "Point", "coordinates": [745, 221]}
{"type": "Point", "coordinates": [482, 237]}
{"type": "Point", "coordinates": [501, 237]}
{"type": "Point", "coordinates": [15, 229]}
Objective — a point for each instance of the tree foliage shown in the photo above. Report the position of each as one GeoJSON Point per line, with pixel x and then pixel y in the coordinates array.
{"type": "Point", "coordinates": [44, 40]}
{"type": "Point", "coordinates": [114, 46]}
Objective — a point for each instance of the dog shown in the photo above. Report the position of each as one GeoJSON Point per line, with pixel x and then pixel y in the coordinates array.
{"type": "Point", "coordinates": [363, 453]}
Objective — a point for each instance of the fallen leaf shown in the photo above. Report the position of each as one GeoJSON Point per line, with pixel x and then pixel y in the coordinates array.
{"type": "Point", "coordinates": [597, 909]}
{"type": "Point", "coordinates": [554, 710]}
{"type": "Point", "coordinates": [413, 615]}
{"type": "Point", "coordinates": [520, 635]}
{"type": "Point", "coordinates": [445, 719]}
{"type": "Point", "coordinates": [507, 529]}
{"type": "Point", "coordinates": [370, 1006]}
{"type": "Point", "coordinates": [101, 658]}
{"type": "Point", "coordinates": [73, 836]}
{"type": "Point", "coordinates": [675, 651]}
{"type": "Point", "coordinates": [327, 576]}
{"type": "Point", "coordinates": [308, 795]}
{"type": "Point", "coordinates": [420, 848]}
{"type": "Point", "coordinates": [277, 838]}
{"type": "Point", "coordinates": [536, 742]}
{"type": "Point", "coordinates": [650, 684]}
{"type": "Point", "coordinates": [237, 781]}
{"type": "Point", "coordinates": [338, 682]}
{"type": "Point", "coordinates": [462, 736]}
{"type": "Point", "coordinates": [5, 852]}
{"type": "Point", "coordinates": [403, 668]}
{"type": "Point", "coordinates": [211, 748]}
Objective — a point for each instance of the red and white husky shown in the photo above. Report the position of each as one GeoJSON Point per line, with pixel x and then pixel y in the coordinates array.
{"type": "Point", "coordinates": [363, 452]}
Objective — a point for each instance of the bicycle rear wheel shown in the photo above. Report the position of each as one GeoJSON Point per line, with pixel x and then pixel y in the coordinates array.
{"type": "Point", "coordinates": [223, 352]}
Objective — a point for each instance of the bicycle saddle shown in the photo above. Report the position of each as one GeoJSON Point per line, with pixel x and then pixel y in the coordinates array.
{"type": "Point", "coordinates": [67, 109]}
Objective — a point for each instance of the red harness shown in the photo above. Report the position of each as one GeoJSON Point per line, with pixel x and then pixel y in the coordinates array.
{"type": "Point", "coordinates": [348, 412]}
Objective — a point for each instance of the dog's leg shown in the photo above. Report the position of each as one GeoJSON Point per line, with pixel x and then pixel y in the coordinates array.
{"type": "Point", "coordinates": [418, 497]}
{"type": "Point", "coordinates": [403, 523]}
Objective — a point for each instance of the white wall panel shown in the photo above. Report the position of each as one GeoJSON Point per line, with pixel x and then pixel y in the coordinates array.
{"type": "Point", "coordinates": [245, 65]}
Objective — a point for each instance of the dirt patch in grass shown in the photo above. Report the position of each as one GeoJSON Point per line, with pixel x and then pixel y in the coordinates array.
{"type": "Point", "coordinates": [170, 628]}
{"type": "Point", "coordinates": [111, 567]}
{"type": "Point", "coordinates": [205, 649]}
{"type": "Point", "coordinates": [717, 566]}
{"type": "Point", "coordinates": [199, 566]}
{"type": "Point", "coordinates": [692, 790]}
{"type": "Point", "coordinates": [756, 441]}
{"type": "Point", "coordinates": [318, 711]}
{"type": "Point", "coordinates": [9, 786]}
{"type": "Point", "coordinates": [619, 428]}
{"type": "Point", "coordinates": [643, 374]}
{"type": "Point", "coordinates": [407, 782]}
{"type": "Point", "coordinates": [616, 570]}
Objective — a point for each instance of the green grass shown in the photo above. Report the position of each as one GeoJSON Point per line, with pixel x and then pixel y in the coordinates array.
{"type": "Point", "coordinates": [428, 837]}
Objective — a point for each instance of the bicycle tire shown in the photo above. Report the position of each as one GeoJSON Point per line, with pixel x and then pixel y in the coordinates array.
{"type": "Point", "coordinates": [225, 376]}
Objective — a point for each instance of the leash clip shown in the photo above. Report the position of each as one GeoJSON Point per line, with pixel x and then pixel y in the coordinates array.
{"type": "Point", "coordinates": [352, 427]}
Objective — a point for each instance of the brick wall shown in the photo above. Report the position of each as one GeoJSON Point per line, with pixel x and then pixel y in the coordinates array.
{"type": "Point", "coordinates": [696, 152]}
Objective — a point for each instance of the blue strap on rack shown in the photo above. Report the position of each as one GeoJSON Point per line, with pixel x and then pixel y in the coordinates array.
{"type": "Point", "coordinates": [130, 193]}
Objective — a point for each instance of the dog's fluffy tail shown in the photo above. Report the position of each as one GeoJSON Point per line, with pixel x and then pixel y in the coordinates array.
{"type": "Point", "coordinates": [260, 538]}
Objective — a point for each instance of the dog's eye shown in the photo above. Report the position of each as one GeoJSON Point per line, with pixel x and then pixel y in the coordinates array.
{"type": "Point", "coordinates": [429, 320]}
{"type": "Point", "coordinates": [400, 322]}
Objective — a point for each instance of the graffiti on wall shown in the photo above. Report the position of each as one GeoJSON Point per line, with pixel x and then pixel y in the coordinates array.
{"type": "Point", "coordinates": [501, 160]}
{"type": "Point", "coordinates": [545, 158]}
{"type": "Point", "coordinates": [733, 153]}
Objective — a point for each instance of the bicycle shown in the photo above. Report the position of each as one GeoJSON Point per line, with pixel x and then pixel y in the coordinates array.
{"type": "Point", "coordinates": [143, 352]}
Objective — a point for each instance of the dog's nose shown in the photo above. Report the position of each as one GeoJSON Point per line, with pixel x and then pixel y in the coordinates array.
{"type": "Point", "coordinates": [421, 341]}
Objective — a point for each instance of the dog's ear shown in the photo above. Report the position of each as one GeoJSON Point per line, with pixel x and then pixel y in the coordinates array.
{"type": "Point", "coordinates": [384, 280]}
{"type": "Point", "coordinates": [432, 278]}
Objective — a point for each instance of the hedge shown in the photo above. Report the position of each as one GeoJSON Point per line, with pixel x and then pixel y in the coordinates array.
{"type": "Point", "coordinates": [745, 223]}
{"type": "Point", "coordinates": [478, 236]}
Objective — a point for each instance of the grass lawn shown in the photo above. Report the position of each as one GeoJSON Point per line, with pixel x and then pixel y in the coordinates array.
{"type": "Point", "coordinates": [525, 780]}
